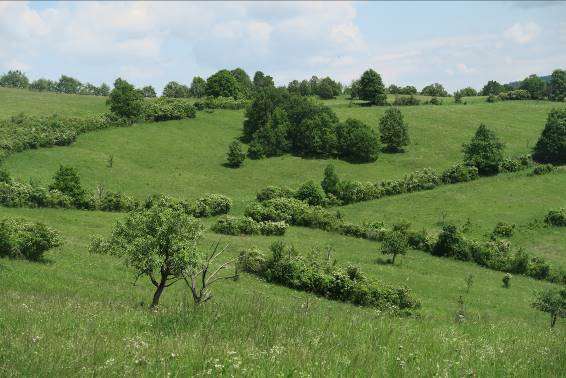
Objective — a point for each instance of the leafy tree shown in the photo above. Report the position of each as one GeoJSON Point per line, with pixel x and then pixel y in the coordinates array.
{"type": "Point", "coordinates": [458, 97]}
{"type": "Point", "coordinates": [273, 136]}
{"type": "Point", "coordinates": [552, 301]}
{"type": "Point", "coordinates": [484, 151]}
{"type": "Point", "coordinates": [316, 135]}
{"type": "Point", "coordinates": [14, 79]}
{"type": "Point", "coordinates": [434, 90]}
{"type": "Point", "coordinates": [67, 84]}
{"type": "Point", "coordinates": [357, 142]}
{"type": "Point", "coordinates": [330, 181]}
{"type": "Point", "coordinates": [198, 87]}
{"type": "Point", "coordinates": [244, 83]}
{"type": "Point", "coordinates": [159, 242]}
{"type": "Point", "coordinates": [408, 90]}
{"type": "Point", "coordinates": [43, 85]}
{"type": "Point", "coordinates": [325, 90]}
{"type": "Point", "coordinates": [393, 89]}
{"type": "Point", "coordinates": [535, 86]}
{"type": "Point", "coordinates": [551, 146]}
{"type": "Point", "coordinates": [294, 87]}
{"type": "Point", "coordinates": [235, 155]}
{"type": "Point", "coordinates": [175, 90]}
{"type": "Point", "coordinates": [313, 84]}
{"type": "Point", "coordinates": [258, 114]}
{"type": "Point", "coordinates": [492, 88]}
{"type": "Point", "coordinates": [311, 193]}
{"type": "Point", "coordinates": [394, 132]}
{"type": "Point", "coordinates": [222, 84]}
{"type": "Point", "coordinates": [355, 89]}
{"type": "Point", "coordinates": [125, 101]}
{"type": "Point", "coordinates": [372, 89]}
{"type": "Point", "coordinates": [395, 243]}
{"type": "Point", "coordinates": [263, 81]}
{"type": "Point", "coordinates": [148, 92]}
{"type": "Point", "coordinates": [103, 90]}
{"type": "Point", "coordinates": [557, 85]}
{"type": "Point", "coordinates": [305, 88]}
{"type": "Point", "coordinates": [468, 92]}
{"type": "Point", "coordinates": [67, 181]}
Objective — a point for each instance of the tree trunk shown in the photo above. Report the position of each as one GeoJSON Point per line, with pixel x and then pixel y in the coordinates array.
{"type": "Point", "coordinates": [553, 320]}
{"type": "Point", "coordinates": [393, 260]}
{"type": "Point", "coordinates": [159, 291]}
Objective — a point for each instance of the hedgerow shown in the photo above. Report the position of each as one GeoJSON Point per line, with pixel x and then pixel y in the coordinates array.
{"type": "Point", "coordinates": [221, 103]}
{"type": "Point", "coordinates": [26, 240]}
{"type": "Point", "coordinates": [320, 276]}
{"type": "Point", "coordinates": [231, 225]}
{"type": "Point", "coordinates": [519, 94]}
{"type": "Point", "coordinates": [165, 109]}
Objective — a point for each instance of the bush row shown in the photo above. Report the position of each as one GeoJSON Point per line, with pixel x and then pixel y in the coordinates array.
{"type": "Point", "coordinates": [221, 103]}
{"type": "Point", "coordinates": [320, 276]}
{"type": "Point", "coordinates": [230, 225]}
{"type": "Point", "coordinates": [518, 94]}
{"type": "Point", "coordinates": [165, 109]}
{"type": "Point", "coordinates": [26, 240]}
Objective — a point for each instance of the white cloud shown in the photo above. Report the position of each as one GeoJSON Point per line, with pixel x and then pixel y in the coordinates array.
{"type": "Point", "coordinates": [522, 33]}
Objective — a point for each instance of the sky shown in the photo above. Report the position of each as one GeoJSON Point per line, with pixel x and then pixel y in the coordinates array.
{"type": "Point", "coordinates": [457, 44]}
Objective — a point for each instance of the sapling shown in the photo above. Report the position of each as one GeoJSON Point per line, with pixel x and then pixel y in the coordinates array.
{"type": "Point", "coordinates": [395, 243]}
{"type": "Point", "coordinates": [552, 301]}
{"type": "Point", "coordinates": [469, 282]}
{"type": "Point", "coordinates": [507, 280]}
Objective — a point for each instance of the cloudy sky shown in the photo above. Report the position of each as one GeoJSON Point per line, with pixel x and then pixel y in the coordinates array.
{"type": "Point", "coordinates": [457, 44]}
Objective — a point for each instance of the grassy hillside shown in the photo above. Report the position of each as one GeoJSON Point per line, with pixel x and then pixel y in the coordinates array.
{"type": "Point", "coordinates": [79, 314]}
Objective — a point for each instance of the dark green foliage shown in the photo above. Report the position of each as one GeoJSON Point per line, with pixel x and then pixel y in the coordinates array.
{"type": "Point", "coordinates": [503, 229]}
{"type": "Point", "coordinates": [69, 85]}
{"type": "Point", "coordinates": [27, 240]}
{"type": "Point", "coordinates": [330, 181]}
{"type": "Point", "coordinates": [459, 173]}
{"type": "Point", "coordinates": [230, 225]}
{"type": "Point", "coordinates": [556, 218]}
{"type": "Point", "coordinates": [458, 97]}
{"type": "Point", "coordinates": [44, 85]}
{"type": "Point", "coordinates": [14, 79]}
{"type": "Point", "coordinates": [245, 85]}
{"type": "Point", "coordinates": [506, 280]}
{"type": "Point", "coordinates": [125, 101]}
{"type": "Point", "coordinates": [485, 151]}
{"type": "Point", "coordinates": [274, 192]}
{"type": "Point", "coordinates": [407, 90]}
{"type": "Point", "coordinates": [371, 88]}
{"type": "Point", "coordinates": [166, 108]}
{"type": "Point", "coordinates": [5, 176]}
{"type": "Point", "coordinates": [320, 276]}
{"type": "Point", "coordinates": [434, 101]}
{"type": "Point", "coordinates": [211, 204]}
{"type": "Point", "coordinates": [518, 94]}
{"type": "Point", "coordinates": [552, 301]}
{"type": "Point", "coordinates": [258, 114]}
{"type": "Point", "coordinates": [406, 100]}
{"type": "Point", "coordinates": [395, 243]}
{"type": "Point", "coordinates": [175, 90]}
{"type": "Point", "coordinates": [394, 132]}
{"type": "Point", "coordinates": [551, 146]}
{"type": "Point", "coordinates": [557, 86]}
{"type": "Point", "coordinates": [535, 86]}
{"type": "Point", "coordinates": [198, 87]}
{"type": "Point", "coordinates": [327, 88]}
{"type": "Point", "coordinates": [311, 193]}
{"type": "Point", "coordinates": [543, 169]}
{"type": "Point", "coordinates": [451, 243]}
{"type": "Point", "coordinates": [148, 92]}
{"type": "Point", "coordinates": [434, 90]}
{"type": "Point", "coordinates": [491, 98]}
{"type": "Point", "coordinates": [492, 88]}
{"type": "Point", "coordinates": [468, 92]}
{"type": "Point", "coordinates": [66, 180]}
{"type": "Point", "coordinates": [235, 155]}
{"type": "Point", "coordinates": [273, 136]}
{"type": "Point", "coordinates": [315, 135]}
{"type": "Point", "coordinates": [262, 81]}
{"type": "Point", "coordinates": [357, 142]}
{"type": "Point", "coordinates": [222, 84]}
{"type": "Point", "coordinates": [221, 103]}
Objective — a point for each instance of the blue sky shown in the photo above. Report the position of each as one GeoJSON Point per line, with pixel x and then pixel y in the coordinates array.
{"type": "Point", "coordinates": [455, 43]}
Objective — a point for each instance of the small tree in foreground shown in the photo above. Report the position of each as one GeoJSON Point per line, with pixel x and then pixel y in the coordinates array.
{"type": "Point", "coordinates": [393, 130]}
{"type": "Point", "coordinates": [552, 301]}
{"type": "Point", "coordinates": [235, 155]}
{"type": "Point", "coordinates": [551, 146]}
{"type": "Point", "coordinates": [161, 243]}
{"type": "Point", "coordinates": [485, 151]}
{"type": "Point", "coordinates": [395, 243]}
{"type": "Point", "coordinates": [125, 100]}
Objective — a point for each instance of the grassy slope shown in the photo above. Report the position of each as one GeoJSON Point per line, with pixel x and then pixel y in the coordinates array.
{"type": "Point", "coordinates": [90, 321]}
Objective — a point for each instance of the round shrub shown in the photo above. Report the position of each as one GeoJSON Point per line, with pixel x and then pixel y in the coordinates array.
{"type": "Point", "coordinates": [28, 240]}
{"type": "Point", "coordinates": [311, 193]}
{"type": "Point", "coordinates": [556, 218]}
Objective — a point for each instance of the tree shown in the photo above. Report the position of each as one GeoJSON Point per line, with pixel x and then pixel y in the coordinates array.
{"type": "Point", "coordinates": [273, 136]}
{"type": "Point", "coordinates": [357, 142]}
{"type": "Point", "coordinates": [175, 90]}
{"type": "Point", "coordinates": [159, 242]}
{"type": "Point", "coordinates": [328, 88]}
{"type": "Point", "coordinates": [305, 88]}
{"type": "Point", "coordinates": [311, 193]}
{"type": "Point", "coordinates": [67, 181]}
{"type": "Point", "coordinates": [244, 83]}
{"type": "Point", "coordinates": [434, 90]}
{"type": "Point", "coordinates": [557, 85]}
{"type": "Point", "coordinates": [148, 92]}
{"type": "Point", "coordinates": [313, 84]}
{"type": "Point", "coordinates": [552, 301]}
{"type": "Point", "coordinates": [316, 135]}
{"type": "Point", "coordinates": [294, 87]}
{"type": "Point", "coordinates": [103, 90]}
{"type": "Point", "coordinates": [259, 112]}
{"type": "Point", "coordinates": [355, 89]}
{"type": "Point", "coordinates": [124, 100]}
{"type": "Point", "coordinates": [551, 146]}
{"type": "Point", "coordinates": [198, 87]}
{"type": "Point", "coordinates": [468, 92]}
{"type": "Point", "coordinates": [67, 84]}
{"type": "Point", "coordinates": [535, 86]}
{"type": "Point", "coordinates": [330, 181]}
{"type": "Point", "coordinates": [394, 132]}
{"type": "Point", "coordinates": [372, 89]}
{"type": "Point", "coordinates": [484, 151]}
{"type": "Point", "coordinates": [222, 84]}
{"type": "Point", "coordinates": [43, 85]}
{"type": "Point", "coordinates": [492, 88]}
{"type": "Point", "coordinates": [235, 155]}
{"type": "Point", "coordinates": [14, 79]}
{"type": "Point", "coordinates": [263, 81]}
{"type": "Point", "coordinates": [395, 243]}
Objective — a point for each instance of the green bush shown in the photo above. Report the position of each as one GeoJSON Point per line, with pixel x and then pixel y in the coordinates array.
{"type": "Point", "coordinates": [551, 146]}
{"type": "Point", "coordinates": [125, 101]}
{"type": "Point", "coordinates": [394, 132]}
{"type": "Point", "coordinates": [319, 276]}
{"type": "Point", "coordinates": [543, 169]}
{"type": "Point", "coordinates": [503, 229]}
{"type": "Point", "coordinates": [459, 173]}
{"type": "Point", "coordinates": [271, 192]}
{"type": "Point", "coordinates": [311, 193]}
{"type": "Point", "coordinates": [357, 142]}
{"type": "Point", "coordinates": [230, 225]}
{"type": "Point", "coordinates": [212, 204]}
{"type": "Point", "coordinates": [66, 180]}
{"type": "Point", "coordinates": [235, 155]}
{"type": "Point", "coordinates": [519, 94]}
{"type": "Point", "coordinates": [23, 239]}
{"type": "Point", "coordinates": [165, 109]}
{"type": "Point", "coordinates": [485, 151]}
{"type": "Point", "coordinates": [556, 218]}
{"type": "Point", "coordinates": [406, 101]}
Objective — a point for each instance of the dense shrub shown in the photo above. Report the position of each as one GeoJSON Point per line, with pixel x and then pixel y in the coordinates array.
{"type": "Point", "coordinates": [23, 239]}
{"type": "Point", "coordinates": [14, 79]}
{"type": "Point", "coordinates": [491, 98]}
{"type": "Point", "coordinates": [274, 192]}
{"type": "Point", "coordinates": [354, 191]}
{"type": "Point", "coordinates": [357, 142]}
{"type": "Point", "coordinates": [434, 101]}
{"type": "Point", "coordinates": [311, 193]}
{"type": "Point", "coordinates": [394, 132]}
{"type": "Point", "coordinates": [535, 86]}
{"type": "Point", "coordinates": [434, 90]}
{"type": "Point", "coordinates": [556, 218]}
{"type": "Point", "coordinates": [212, 204]}
{"type": "Point", "coordinates": [222, 84]}
{"type": "Point", "coordinates": [406, 100]}
{"type": "Point", "coordinates": [319, 276]}
{"type": "Point", "coordinates": [148, 92]}
{"type": "Point", "coordinates": [503, 229]}
{"type": "Point", "coordinates": [330, 181]}
{"type": "Point", "coordinates": [485, 151]}
{"type": "Point", "coordinates": [220, 102]}
{"type": "Point", "coordinates": [165, 109]}
{"type": "Point", "coordinates": [395, 242]}
{"type": "Point", "coordinates": [557, 86]}
{"type": "Point", "coordinates": [519, 94]}
{"type": "Point", "coordinates": [230, 225]}
{"type": "Point", "coordinates": [235, 155]}
{"type": "Point", "coordinates": [551, 146]}
{"type": "Point", "coordinates": [66, 180]}
{"type": "Point", "coordinates": [371, 88]}
{"type": "Point", "coordinates": [125, 101]}
{"type": "Point", "coordinates": [543, 169]}
{"type": "Point", "coordinates": [175, 90]}
{"type": "Point", "coordinates": [459, 173]}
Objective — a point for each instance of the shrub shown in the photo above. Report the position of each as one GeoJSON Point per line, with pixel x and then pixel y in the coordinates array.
{"type": "Point", "coordinates": [125, 101]}
{"type": "Point", "coordinates": [221, 102]}
{"type": "Point", "coordinates": [212, 204]}
{"type": "Point", "coordinates": [274, 192]}
{"type": "Point", "coordinates": [393, 130]}
{"type": "Point", "coordinates": [230, 225]}
{"type": "Point", "coordinates": [371, 88]}
{"type": "Point", "coordinates": [459, 173]}
{"type": "Point", "coordinates": [406, 101]}
{"type": "Point", "coordinates": [492, 88]}
{"type": "Point", "coordinates": [148, 92]}
{"type": "Point", "coordinates": [394, 243]}
{"type": "Point", "coordinates": [273, 228]}
{"type": "Point", "coordinates": [543, 169]}
{"type": "Point", "coordinates": [434, 90]}
{"type": "Point", "coordinates": [551, 146]}
{"type": "Point", "coordinates": [198, 87]}
{"type": "Point", "coordinates": [491, 98]}
{"type": "Point", "coordinates": [319, 276]}
{"type": "Point", "coordinates": [451, 243]}
{"type": "Point", "coordinates": [222, 83]}
{"type": "Point", "coordinates": [14, 79]}
{"type": "Point", "coordinates": [311, 193]}
{"type": "Point", "coordinates": [357, 142]}
{"type": "Point", "coordinates": [506, 280]}
{"type": "Point", "coordinates": [66, 180]}
{"type": "Point", "coordinates": [534, 86]}
{"type": "Point", "coordinates": [330, 181]}
{"type": "Point", "coordinates": [355, 191]}
{"type": "Point", "coordinates": [165, 109]}
{"type": "Point", "coordinates": [111, 201]}
{"type": "Point", "coordinates": [556, 218]}
{"type": "Point", "coordinates": [503, 229]}
{"type": "Point", "coordinates": [484, 151]}
{"type": "Point", "coordinates": [538, 268]}
{"type": "Point", "coordinates": [23, 239]}
{"type": "Point", "coordinates": [175, 90]}
{"type": "Point", "coordinates": [557, 86]}
{"type": "Point", "coordinates": [235, 155]}
{"type": "Point", "coordinates": [552, 301]}
{"type": "Point", "coordinates": [518, 94]}
{"type": "Point", "coordinates": [434, 101]}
